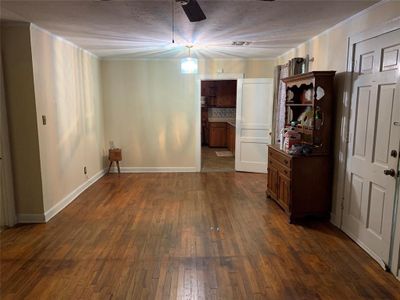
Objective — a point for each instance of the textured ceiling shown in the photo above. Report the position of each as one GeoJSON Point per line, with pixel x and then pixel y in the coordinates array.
{"type": "Point", "coordinates": [142, 29]}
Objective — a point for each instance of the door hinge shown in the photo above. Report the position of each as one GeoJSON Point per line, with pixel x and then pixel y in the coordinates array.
{"type": "Point", "coordinates": [347, 139]}
{"type": "Point", "coordinates": [353, 67]}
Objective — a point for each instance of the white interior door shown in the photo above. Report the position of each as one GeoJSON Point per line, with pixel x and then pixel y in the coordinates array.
{"type": "Point", "coordinates": [372, 164]}
{"type": "Point", "coordinates": [253, 124]}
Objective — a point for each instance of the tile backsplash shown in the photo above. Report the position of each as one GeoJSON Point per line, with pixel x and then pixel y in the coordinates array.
{"type": "Point", "coordinates": [222, 113]}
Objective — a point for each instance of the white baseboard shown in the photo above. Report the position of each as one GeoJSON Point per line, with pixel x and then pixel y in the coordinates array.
{"type": "Point", "coordinates": [154, 169]}
{"type": "Point", "coordinates": [30, 218]}
{"type": "Point", "coordinates": [72, 196]}
{"type": "Point", "coordinates": [334, 220]}
{"type": "Point", "coordinates": [366, 249]}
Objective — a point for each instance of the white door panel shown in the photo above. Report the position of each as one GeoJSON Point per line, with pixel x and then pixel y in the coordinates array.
{"type": "Point", "coordinates": [385, 109]}
{"type": "Point", "coordinates": [369, 193]}
{"type": "Point", "coordinates": [253, 124]}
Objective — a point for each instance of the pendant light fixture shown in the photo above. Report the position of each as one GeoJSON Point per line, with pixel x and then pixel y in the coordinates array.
{"type": "Point", "coordinates": [189, 65]}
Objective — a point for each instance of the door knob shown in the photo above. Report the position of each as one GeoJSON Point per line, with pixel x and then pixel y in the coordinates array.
{"type": "Point", "coordinates": [390, 172]}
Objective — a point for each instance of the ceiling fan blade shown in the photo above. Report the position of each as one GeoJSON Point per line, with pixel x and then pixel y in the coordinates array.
{"type": "Point", "coordinates": [193, 11]}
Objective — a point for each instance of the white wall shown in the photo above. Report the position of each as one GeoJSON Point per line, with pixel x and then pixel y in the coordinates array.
{"type": "Point", "coordinates": [67, 92]}
{"type": "Point", "coordinates": [150, 108]}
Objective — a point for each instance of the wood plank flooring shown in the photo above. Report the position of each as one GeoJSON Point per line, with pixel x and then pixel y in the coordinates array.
{"type": "Point", "coordinates": [184, 236]}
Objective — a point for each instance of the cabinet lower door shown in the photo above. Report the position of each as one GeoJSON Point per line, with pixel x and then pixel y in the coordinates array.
{"type": "Point", "coordinates": [284, 190]}
{"type": "Point", "coordinates": [217, 137]}
{"type": "Point", "coordinates": [272, 182]}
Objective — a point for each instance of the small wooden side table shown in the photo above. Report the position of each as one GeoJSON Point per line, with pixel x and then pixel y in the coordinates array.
{"type": "Point", "coordinates": [114, 155]}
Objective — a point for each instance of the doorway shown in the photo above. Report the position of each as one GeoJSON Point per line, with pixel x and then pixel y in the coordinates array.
{"type": "Point", "coordinates": [218, 121]}
{"type": "Point", "coordinates": [247, 134]}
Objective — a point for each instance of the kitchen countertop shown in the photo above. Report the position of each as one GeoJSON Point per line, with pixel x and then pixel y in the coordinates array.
{"type": "Point", "coordinates": [227, 120]}
{"type": "Point", "coordinates": [232, 123]}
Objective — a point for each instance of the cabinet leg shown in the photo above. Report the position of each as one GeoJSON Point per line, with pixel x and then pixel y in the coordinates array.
{"type": "Point", "coordinates": [109, 167]}
{"type": "Point", "coordinates": [119, 171]}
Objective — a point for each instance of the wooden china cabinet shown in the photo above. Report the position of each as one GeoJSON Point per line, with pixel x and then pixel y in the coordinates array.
{"type": "Point", "coordinates": [301, 183]}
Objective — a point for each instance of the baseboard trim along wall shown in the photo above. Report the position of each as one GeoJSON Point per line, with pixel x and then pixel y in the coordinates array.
{"type": "Point", "coordinates": [30, 218]}
{"type": "Point", "coordinates": [334, 220]}
{"type": "Point", "coordinates": [72, 196]}
{"type": "Point", "coordinates": [154, 169]}
{"type": "Point", "coordinates": [44, 218]}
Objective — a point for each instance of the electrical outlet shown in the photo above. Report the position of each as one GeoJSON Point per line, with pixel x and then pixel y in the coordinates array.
{"type": "Point", "coordinates": [84, 170]}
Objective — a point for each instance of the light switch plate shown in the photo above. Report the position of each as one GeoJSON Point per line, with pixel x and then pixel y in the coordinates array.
{"type": "Point", "coordinates": [44, 120]}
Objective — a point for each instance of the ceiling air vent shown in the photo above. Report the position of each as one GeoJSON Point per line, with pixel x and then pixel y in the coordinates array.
{"type": "Point", "coordinates": [240, 43]}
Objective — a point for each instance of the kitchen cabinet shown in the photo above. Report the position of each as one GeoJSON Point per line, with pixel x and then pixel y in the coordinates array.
{"type": "Point", "coordinates": [208, 90]}
{"type": "Point", "coordinates": [226, 93]}
{"type": "Point", "coordinates": [219, 93]}
{"type": "Point", "coordinates": [204, 126]}
{"type": "Point", "coordinates": [230, 137]}
{"type": "Point", "coordinates": [217, 134]}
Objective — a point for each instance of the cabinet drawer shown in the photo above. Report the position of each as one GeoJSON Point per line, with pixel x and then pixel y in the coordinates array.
{"type": "Point", "coordinates": [281, 168]}
{"type": "Point", "coordinates": [281, 158]}
{"type": "Point", "coordinates": [286, 172]}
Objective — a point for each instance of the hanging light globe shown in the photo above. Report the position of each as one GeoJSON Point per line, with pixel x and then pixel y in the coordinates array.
{"type": "Point", "coordinates": [189, 65]}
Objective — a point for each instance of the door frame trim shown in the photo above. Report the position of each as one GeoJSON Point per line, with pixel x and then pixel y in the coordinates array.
{"type": "Point", "coordinates": [337, 216]}
{"type": "Point", "coordinates": [199, 78]}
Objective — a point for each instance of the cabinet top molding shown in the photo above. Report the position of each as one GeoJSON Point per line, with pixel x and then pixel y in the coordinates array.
{"type": "Point", "coordinates": [308, 75]}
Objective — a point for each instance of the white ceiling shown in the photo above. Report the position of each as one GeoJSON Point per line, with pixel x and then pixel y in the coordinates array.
{"type": "Point", "coordinates": [142, 29]}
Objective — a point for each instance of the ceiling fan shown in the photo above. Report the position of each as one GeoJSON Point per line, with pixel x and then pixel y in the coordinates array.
{"type": "Point", "coordinates": [193, 10]}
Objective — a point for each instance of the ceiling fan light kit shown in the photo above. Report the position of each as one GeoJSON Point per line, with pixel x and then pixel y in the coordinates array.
{"type": "Point", "coordinates": [189, 65]}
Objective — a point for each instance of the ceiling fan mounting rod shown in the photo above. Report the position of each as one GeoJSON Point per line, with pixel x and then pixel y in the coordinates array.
{"type": "Point", "coordinates": [173, 22]}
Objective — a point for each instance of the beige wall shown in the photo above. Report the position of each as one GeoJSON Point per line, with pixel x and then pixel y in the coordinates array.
{"type": "Point", "coordinates": [329, 50]}
{"type": "Point", "coordinates": [67, 92]}
{"type": "Point", "coordinates": [150, 108]}
{"type": "Point", "coordinates": [251, 68]}
{"type": "Point", "coordinates": [18, 78]}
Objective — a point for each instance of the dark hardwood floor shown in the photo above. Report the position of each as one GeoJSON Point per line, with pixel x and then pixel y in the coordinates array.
{"type": "Point", "coordinates": [191, 236]}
